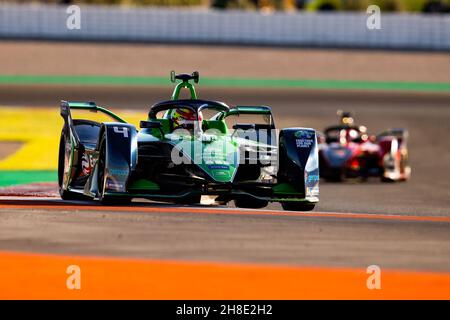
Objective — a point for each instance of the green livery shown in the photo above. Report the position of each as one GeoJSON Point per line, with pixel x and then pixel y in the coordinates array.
{"type": "Point", "coordinates": [187, 149]}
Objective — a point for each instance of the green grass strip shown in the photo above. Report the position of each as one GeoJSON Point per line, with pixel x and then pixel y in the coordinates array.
{"type": "Point", "coordinates": [228, 82]}
{"type": "Point", "coordinates": [11, 178]}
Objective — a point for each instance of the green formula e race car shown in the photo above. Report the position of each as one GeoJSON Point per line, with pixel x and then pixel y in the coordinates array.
{"type": "Point", "coordinates": [187, 151]}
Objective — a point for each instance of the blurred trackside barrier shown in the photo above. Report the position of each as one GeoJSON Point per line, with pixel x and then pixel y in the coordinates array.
{"type": "Point", "coordinates": [339, 29]}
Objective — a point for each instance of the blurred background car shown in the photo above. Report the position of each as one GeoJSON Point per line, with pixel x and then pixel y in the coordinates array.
{"type": "Point", "coordinates": [346, 150]}
{"type": "Point", "coordinates": [425, 6]}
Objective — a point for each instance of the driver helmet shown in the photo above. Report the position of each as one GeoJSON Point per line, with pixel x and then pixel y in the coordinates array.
{"type": "Point", "coordinates": [181, 117]}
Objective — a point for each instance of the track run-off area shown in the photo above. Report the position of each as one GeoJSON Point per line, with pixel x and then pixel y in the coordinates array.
{"type": "Point", "coordinates": [160, 251]}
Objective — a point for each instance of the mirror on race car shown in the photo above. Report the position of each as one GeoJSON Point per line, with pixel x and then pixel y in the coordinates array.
{"type": "Point", "coordinates": [150, 125]}
{"type": "Point", "coordinates": [244, 126]}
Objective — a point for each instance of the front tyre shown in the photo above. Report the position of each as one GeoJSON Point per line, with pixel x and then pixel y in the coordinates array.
{"type": "Point", "coordinates": [297, 206]}
{"type": "Point", "coordinates": [250, 203]}
{"type": "Point", "coordinates": [62, 163]}
{"type": "Point", "coordinates": [387, 180]}
{"type": "Point", "coordinates": [189, 200]}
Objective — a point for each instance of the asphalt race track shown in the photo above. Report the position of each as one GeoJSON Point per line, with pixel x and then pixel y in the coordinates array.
{"type": "Point", "coordinates": [425, 115]}
{"type": "Point", "coordinates": [159, 231]}
{"type": "Point", "coordinates": [404, 226]}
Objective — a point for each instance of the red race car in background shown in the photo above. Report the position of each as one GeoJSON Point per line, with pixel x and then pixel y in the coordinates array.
{"type": "Point", "coordinates": [347, 151]}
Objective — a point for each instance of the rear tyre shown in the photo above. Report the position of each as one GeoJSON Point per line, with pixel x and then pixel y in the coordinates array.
{"type": "Point", "coordinates": [65, 194]}
{"type": "Point", "coordinates": [387, 180]}
{"type": "Point", "coordinates": [337, 176]}
{"type": "Point", "coordinates": [297, 206]}
{"type": "Point", "coordinates": [195, 199]}
{"type": "Point", "coordinates": [107, 200]}
{"type": "Point", "coordinates": [327, 7]}
{"type": "Point", "coordinates": [250, 203]}
{"type": "Point", "coordinates": [433, 7]}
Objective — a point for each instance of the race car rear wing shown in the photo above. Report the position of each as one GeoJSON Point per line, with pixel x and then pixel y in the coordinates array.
{"type": "Point", "coordinates": [252, 109]}
{"type": "Point", "coordinates": [398, 133]}
{"type": "Point", "coordinates": [260, 110]}
{"type": "Point", "coordinates": [259, 131]}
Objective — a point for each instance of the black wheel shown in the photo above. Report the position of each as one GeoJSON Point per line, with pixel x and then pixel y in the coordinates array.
{"type": "Point", "coordinates": [297, 206]}
{"type": "Point", "coordinates": [327, 7]}
{"type": "Point", "coordinates": [386, 180]}
{"type": "Point", "coordinates": [115, 201]}
{"type": "Point", "coordinates": [337, 176]}
{"type": "Point", "coordinates": [194, 199]}
{"type": "Point", "coordinates": [250, 203]}
{"type": "Point", "coordinates": [107, 200]}
{"type": "Point", "coordinates": [62, 161]}
{"type": "Point", "coordinates": [433, 7]}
